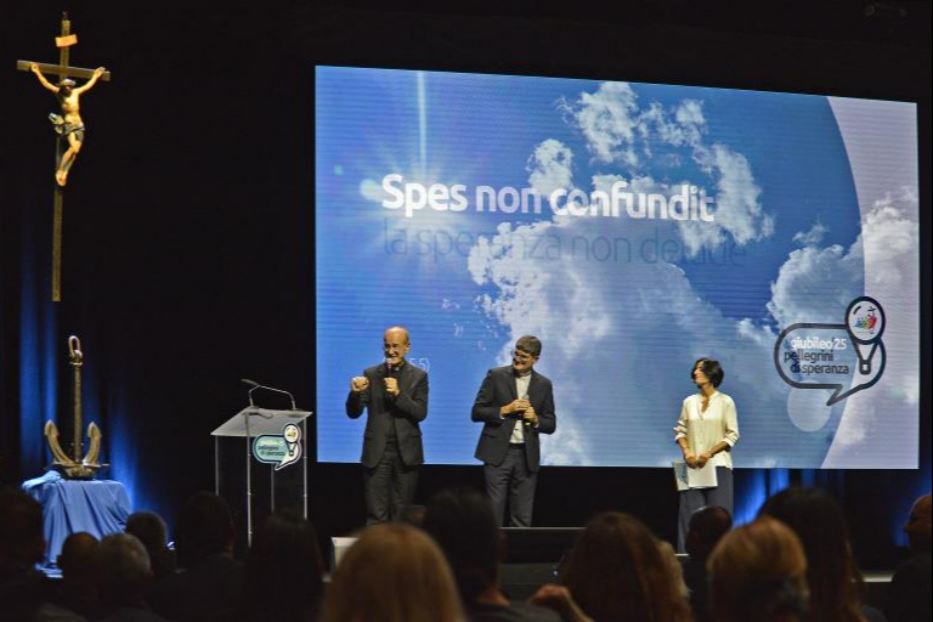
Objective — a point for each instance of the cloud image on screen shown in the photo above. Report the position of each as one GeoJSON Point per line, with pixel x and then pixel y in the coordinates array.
{"type": "Point", "coordinates": [633, 228]}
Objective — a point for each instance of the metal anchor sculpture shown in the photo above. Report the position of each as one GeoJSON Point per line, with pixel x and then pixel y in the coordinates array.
{"type": "Point", "coordinates": [76, 467]}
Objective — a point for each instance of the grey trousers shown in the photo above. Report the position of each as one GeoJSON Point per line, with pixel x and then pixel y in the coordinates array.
{"type": "Point", "coordinates": [696, 498]}
{"type": "Point", "coordinates": [389, 486]}
{"type": "Point", "coordinates": [512, 481]}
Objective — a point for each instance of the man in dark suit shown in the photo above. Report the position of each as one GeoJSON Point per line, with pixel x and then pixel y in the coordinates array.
{"type": "Point", "coordinates": [515, 404]}
{"type": "Point", "coordinates": [395, 394]}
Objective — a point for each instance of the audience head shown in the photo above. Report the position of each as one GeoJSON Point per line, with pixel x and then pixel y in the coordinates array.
{"type": "Point", "coordinates": [617, 571]}
{"type": "Point", "coordinates": [149, 528]}
{"type": "Point", "coordinates": [393, 573]}
{"type": "Point", "coordinates": [21, 540]}
{"type": "Point", "coordinates": [832, 574]}
{"type": "Point", "coordinates": [463, 523]}
{"type": "Point", "coordinates": [152, 532]}
{"type": "Point", "coordinates": [707, 525]}
{"type": "Point", "coordinates": [918, 526]}
{"type": "Point", "coordinates": [125, 573]}
{"type": "Point", "coordinates": [758, 573]}
{"type": "Point", "coordinates": [284, 570]}
{"type": "Point", "coordinates": [78, 559]}
{"type": "Point", "coordinates": [204, 528]}
{"type": "Point", "coordinates": [80, 566]}
{"type": "Point", "coordinates": [22, 546]}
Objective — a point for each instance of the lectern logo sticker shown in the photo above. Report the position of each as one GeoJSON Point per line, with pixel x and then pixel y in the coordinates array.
{"type": "Point", "coordinates": [845, 358]}
{"type": "Point", "coordinates": [282, 451]}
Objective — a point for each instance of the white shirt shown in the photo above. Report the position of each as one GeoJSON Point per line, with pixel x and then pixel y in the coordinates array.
{"type": "Point", "coordinates": [703, 429]}
{"type": "Point", "coordinates": [521, 390]}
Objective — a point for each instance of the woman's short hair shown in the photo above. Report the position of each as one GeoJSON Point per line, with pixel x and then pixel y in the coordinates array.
{"type": "Point", "coordinates": [393, 573]}
{"type": "Point", "coordinates": [711, 368]}
{"type": "Point", "coordinates": [758, 572]}
{"type": "Point", "coordinates": [617, 571]}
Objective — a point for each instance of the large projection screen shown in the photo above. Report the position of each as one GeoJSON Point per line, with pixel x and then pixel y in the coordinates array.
{"type": "Point", "coordinates": [633, 228]}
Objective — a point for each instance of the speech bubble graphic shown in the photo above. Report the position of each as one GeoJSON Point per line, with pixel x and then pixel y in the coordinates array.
{"type": "Point", "coordinates": [811, 355]}
{"type": "Point", "coordinates": [281, 451]}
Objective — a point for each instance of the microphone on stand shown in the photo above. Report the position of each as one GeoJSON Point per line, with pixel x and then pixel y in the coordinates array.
{"type": "Point", "coordinates": [255, 385]}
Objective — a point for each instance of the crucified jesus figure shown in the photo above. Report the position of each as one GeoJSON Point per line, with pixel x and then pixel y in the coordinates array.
{"type": "Point", "coordinates": [68, 124]}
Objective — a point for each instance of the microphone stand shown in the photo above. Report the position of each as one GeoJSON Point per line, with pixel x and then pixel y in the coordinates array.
{"type": "Point", "coordinates": [255, 385]}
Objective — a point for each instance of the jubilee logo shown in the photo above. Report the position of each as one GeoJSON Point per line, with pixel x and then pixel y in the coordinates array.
{"type": "Point", "coordinates": [845, 358]}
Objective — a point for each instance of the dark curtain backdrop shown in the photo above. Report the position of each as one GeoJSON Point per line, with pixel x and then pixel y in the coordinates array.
{"type": "Point", "coordinates": [188, 239]}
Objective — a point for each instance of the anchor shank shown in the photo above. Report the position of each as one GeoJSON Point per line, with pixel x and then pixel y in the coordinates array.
{"type": "Point", "coordinates": [78, 446]}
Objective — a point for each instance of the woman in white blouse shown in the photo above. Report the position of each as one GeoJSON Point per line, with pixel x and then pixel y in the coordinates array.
{"type": "Point", "coordinates": [706, 432]}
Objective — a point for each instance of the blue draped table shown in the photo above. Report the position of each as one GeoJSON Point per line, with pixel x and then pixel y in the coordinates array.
{"type": "Point", "coordinates": [99, 507]}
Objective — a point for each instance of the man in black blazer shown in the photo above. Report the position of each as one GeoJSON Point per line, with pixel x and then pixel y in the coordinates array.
{"type": "Point", "coordinates": [395, 394]}
{"type": "Point", "coordinates": [515, 404]}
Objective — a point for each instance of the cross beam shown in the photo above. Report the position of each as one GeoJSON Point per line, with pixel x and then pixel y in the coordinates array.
{"type": "Point", "coordinates": [58, 70]}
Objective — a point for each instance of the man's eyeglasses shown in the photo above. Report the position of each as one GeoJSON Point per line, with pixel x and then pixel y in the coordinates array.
{"type": "Point", "coordinates": [522, 356]}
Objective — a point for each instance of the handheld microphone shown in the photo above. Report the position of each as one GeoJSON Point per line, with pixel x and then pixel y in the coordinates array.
{"type": "Point", "coordinates": [525, 422]}
{"type": "Point", "coordinates": [389, 371]}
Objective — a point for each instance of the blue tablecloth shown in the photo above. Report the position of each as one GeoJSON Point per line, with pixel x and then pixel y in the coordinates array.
{"type": "Point", "coordinates": [99, 507]}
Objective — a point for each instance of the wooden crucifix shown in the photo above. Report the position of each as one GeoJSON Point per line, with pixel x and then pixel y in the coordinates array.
{"type": "Point", "coordinates": [68, 126]}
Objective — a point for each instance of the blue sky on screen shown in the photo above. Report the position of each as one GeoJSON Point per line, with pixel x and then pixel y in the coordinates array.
{"type": "Point", "coordinates": [623, 306]}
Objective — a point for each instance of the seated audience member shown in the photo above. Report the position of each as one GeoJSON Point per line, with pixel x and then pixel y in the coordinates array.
{"type": "Point", "coordinates": [124, 576]}
{"type": "Point", "coordinates": [833, 577]}
{"type": "Point", "coordinates": [393, 573]}
{"type": "Point", "coordinates": [151, 531]}
{"type": "Point", "coordinates": [22, 546]}
{"type": "Point", "coordinates": [909, 593]}
{"type": "Point", "coordinates": [76, 595]}
{"type": "Point", "coordinates": [618, 571]}
{"type": "Point", "coordinates": [283, 573]}
{"type": "Point", "coordinates": [669, 555]}
{"type": "Point", "coordinates": [758, 574]}
{"type": "Point", "coordinates": [210, 578]}
{"type": "Point", "coordinates": [707, 525]}
{"type": "Point", "coordinates": [462, 522]}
